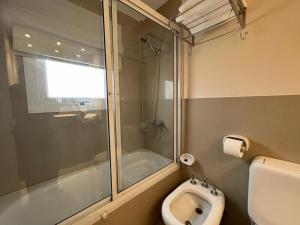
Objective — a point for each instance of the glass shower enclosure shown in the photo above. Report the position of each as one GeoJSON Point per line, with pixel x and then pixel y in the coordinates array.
{"type": "Point", "coordinates": [144, 72]}
{"type": "Point", "coordinates": [89, 105]}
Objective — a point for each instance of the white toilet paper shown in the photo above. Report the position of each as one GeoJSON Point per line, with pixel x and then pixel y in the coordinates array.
{"type": "Point", "coordinates": [233, 147]}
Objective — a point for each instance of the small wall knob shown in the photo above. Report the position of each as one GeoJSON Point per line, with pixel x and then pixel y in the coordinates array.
{"type": "Point", "coordinates": [104, 216]}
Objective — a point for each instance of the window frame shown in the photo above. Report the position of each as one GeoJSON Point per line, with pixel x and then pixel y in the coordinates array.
{"type": "Point", "coordinates": [37, 93]}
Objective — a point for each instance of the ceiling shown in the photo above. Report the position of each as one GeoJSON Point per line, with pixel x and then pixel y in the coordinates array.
{"type": "Point", "coordinates": [155, 4]}
{"type": "Point", "coordinates": [93, 5]}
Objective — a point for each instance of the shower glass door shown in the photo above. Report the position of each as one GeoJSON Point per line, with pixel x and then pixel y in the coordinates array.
{"type": "Point", "coordinates": [88, 106]}
{"type": "Point", "coordinates": [54, 149]}
{"type": "Point", "coordinates": [144, 84]}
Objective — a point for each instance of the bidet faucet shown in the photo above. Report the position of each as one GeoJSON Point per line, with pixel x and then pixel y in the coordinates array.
{"type": "Point", "coordinates": [204, 183]}
{"type": "Point", "coordinates": [214, 191]}
{"type": "Point", "coordinates": [193, 180]}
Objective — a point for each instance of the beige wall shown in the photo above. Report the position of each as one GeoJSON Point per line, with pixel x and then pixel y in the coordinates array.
{"type": "Point", "coordinates": [145, 209]}
{"type": "Point", "coordinates": [236, 86]}
{"type": "Point", "coordinates": [272, 125]}
{"type": "Point", "coordinates": [9, 177]}
{"type": "Point", "coordinates": [266, 63]}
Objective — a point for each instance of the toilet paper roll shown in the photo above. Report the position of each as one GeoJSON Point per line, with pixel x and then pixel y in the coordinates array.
{"type": "Point", "coordinates": [233, 147]}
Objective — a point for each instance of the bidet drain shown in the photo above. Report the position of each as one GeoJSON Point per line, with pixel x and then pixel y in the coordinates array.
{"type": "Point", "coordinates": [187, 222]}
{"type": "Point", "coordinates": [198, 211]}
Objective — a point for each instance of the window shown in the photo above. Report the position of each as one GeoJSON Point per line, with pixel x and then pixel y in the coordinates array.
{"type": "Point", "coordinates": [82, 81]}
{"type": "Point", "coordinates": [168, 89]}
{"type": "Point", "coordinates": [54, 86]}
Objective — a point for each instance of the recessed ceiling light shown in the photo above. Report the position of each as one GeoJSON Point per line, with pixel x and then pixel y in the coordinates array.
{"type": "Point", "coordinates": [78, 56]}
{"type": "Point", "coordinates": [82, 49]}
{"type": "Point", "coordinates": [29, 45]}
{"type": "Point", "coordinates": [56, 51]}
{"type": "Point", "coordinates": [28, 35]}
{"type": "Point", "coordinates": [58, 43]}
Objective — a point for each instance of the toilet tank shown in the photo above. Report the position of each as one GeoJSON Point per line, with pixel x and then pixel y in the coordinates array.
{"type": "Point", "coordinates": [274, 192]}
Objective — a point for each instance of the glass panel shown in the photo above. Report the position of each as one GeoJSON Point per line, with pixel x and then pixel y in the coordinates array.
{"type": "Point", "coordinates": [54, 158]}
{"type": "Point", "coordinates": [144, 93]}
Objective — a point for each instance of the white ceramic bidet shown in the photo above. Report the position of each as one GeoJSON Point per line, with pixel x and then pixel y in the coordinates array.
{"type": "Point", "coordinates": [194, 203]}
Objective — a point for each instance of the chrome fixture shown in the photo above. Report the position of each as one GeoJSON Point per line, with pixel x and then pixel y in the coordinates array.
{"type": "Point", "coordinates": [154, 124]}
{"type": "Point", "coordinates": [205, 184]}
{"type": "Point", "coordinates": [193, 180]}
{"type": "Point", "coordinates": [155, 50]}
{"type": "Point", "coordinates": [214, 191]}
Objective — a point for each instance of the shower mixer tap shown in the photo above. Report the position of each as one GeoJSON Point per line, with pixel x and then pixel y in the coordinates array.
{"type": "Point", "coordinates": [155, 124]}
{"type": "Point", "coordinates": [160, 124]}
{"type": "Point", "coordinates": [157, 127]}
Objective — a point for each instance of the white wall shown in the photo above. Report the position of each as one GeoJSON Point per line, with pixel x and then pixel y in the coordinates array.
{"type": "Point", "coordinates": [266, 63]}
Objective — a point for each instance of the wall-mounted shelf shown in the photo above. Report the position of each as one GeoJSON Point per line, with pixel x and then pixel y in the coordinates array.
{"type": "Point", "coordinates": [206, 15]}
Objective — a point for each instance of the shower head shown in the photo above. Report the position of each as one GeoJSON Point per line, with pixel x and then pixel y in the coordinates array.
{"type": "Point", "coordinates": [155, 50]}
{"type": "Point", "coordinates": [144, 40]}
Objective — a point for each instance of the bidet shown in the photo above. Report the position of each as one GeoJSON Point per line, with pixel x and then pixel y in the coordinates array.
{"type": "Point", "coordinates": [193, 203]}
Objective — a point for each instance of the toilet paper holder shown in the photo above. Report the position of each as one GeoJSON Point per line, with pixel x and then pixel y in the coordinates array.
{"type": "Point", "coordinates": [246, 142]}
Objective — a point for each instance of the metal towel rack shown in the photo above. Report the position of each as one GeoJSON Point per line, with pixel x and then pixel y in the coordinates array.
{"type": "Point", "coordinates": [239, 8]}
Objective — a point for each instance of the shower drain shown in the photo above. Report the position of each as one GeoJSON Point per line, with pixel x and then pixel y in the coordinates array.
{"type": "Point", "coordinates": [187, 222]}
{"type": "Point", "coordinates": [198, 211]}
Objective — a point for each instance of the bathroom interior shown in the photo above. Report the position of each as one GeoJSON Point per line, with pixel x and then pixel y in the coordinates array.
{"type": "Point", "coordinates": [153, 112]}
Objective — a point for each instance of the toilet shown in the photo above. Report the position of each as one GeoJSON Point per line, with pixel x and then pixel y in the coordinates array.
{"type": "Point", "coordinates": [194, 203]}
{"type": "Point", "coordinates": [274, 192]}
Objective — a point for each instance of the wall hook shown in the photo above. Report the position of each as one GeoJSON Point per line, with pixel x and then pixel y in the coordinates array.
{"type": "Point", "coordinates": [190, 49]}
{"type": "Point", "coordinates": [243, 36]}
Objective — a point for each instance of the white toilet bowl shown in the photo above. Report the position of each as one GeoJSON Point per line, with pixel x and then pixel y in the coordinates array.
{"type": "Point", "coordinates": [193, 204]}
